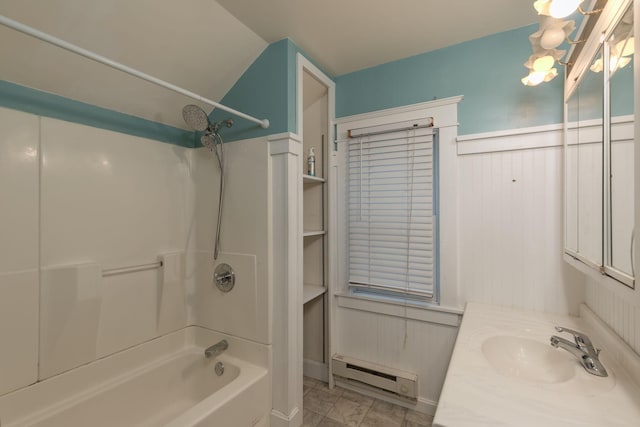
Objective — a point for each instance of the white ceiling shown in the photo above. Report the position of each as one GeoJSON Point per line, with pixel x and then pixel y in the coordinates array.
{"type": "Point", "coordinates": [205, 46]}
{"type": "Point", "coordinates": [349, 35]}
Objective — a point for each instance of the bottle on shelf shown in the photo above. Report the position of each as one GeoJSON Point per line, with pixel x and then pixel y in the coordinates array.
{"type": "Point", "coordinates": [311, 162]}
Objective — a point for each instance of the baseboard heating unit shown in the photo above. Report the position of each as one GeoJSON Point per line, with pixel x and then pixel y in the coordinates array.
{"type": "Point", "coordinates": [400, 382]}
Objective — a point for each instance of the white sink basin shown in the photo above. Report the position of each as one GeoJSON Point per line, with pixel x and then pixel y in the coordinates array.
{"type": "Point", "coordinates": [503, 372]}
{"type": "Point", "coordinates": [528, 360]}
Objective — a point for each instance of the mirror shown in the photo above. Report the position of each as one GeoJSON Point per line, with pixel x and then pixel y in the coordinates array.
{"type": "Point", "coordinates": [571, 175]}
{"type": "Point", "coordinates": [620, 201]}
{"type": "Point", "coordinates": [590, 142]}
{"type": "Point", "coordinates": [599, 158]}
{"type": "Point", "coordinates": [583, 173]}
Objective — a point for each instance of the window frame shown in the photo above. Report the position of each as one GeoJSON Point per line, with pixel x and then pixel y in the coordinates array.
{"type": "Point", "coordinates": [389, 294]}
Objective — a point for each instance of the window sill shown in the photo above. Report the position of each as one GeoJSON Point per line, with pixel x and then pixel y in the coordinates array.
{"type": "Point", "coordinates": [424, 313]}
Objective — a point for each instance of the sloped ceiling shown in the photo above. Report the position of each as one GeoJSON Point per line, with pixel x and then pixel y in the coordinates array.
{"type": "Point", "coordinates": [195, 44]}
{"type": "Point", "coordinates": [205, 45]}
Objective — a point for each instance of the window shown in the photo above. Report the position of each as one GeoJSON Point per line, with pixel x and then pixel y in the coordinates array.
{"type": "Point", "coordinates": [392, 207]}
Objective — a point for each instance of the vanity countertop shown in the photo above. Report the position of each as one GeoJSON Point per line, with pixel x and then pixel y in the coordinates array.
{"type": "Point", "coordinates": [494, 378]}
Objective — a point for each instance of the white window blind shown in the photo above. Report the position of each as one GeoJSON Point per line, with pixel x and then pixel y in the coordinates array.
{"type": "Point", "coordinates": [392, 220]}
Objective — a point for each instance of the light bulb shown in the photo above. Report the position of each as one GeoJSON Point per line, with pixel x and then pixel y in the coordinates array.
{"type": "Point", "coordinates": [616, 62]}
{"type": "Point", "coordinates": [536, 77]}
{"type": "Point", "coordinates": [597, 65]}
{"type": "Point", "coordinates": [542, 7]}
{"type": "Point", "coordinates": [550, 75]}
{"type": "Point", "coordinates": [563, 8]}
{"type": "Point", "coordinates": [543, 63]}
{"type": "Point", "coordinates": [552, 38]}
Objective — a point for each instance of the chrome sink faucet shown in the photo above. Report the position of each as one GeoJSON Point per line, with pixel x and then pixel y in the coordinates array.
{"type": "Point", "coordinates": [216, 349]}
{"type": "Point", "coordinates": [582, 349]}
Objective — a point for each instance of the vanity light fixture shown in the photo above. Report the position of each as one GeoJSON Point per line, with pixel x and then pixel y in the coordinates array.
{"type": "Point", "coordinates": [619, 56]}
{"type": "Point", "coordinates": [626, 47]}
{"type": "Point", "coordinates": [561, 8]}
{"type": "Point", "coordinates": [540, 67]}
{"type": "Point", "coordinates": [544, 63]}
{"type": "Point", "coordinates": [536, 77]}
{"type": "Point", "coordinates": [552, 33]}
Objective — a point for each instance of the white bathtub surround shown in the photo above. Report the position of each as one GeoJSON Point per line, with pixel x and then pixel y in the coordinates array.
{"type": "Point", "coordinates": [115, 200]}
{"type": "Point", "coordinates": [165, 382]}
{"type": "Point", "coordinates": [69, 317]}
{"type": "Point", "coordinates": [235, 312]}
{"type": "Point", "coordinates": [172, 303]}
{"type": "Point", "coordinates": [18, 329]}
{"type": "Point", "coordinates": [19, 188]}
{"type": "Point", "coordinates": [91, 200]}
{"type": "Point", "coordinates": [244, 241]}
{"type": "Point", "coordinates": [480, 392]}
{"type": "Point", "coordinates": [77, 200]}
{"type": "Point", "coordinates": [259, 239]}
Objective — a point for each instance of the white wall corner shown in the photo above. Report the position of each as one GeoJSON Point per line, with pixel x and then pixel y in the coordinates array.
{"type": "Point", "coordinates": [285, 243]}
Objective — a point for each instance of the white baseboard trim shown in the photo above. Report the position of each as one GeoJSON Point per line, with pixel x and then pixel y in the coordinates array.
{"type": "Point", "coordinates": [423, 405]}
{"type": "Point", "coordinates": [278, 419]}
{"type": "Point", "coordinates": [316, 370]}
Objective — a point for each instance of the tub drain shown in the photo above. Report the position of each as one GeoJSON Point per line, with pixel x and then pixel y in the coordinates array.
{"type": "Point", "coordinates": [219, 368]}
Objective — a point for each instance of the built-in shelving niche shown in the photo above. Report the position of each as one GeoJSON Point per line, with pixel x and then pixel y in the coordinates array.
{"type": "Point", "coordinates": [315, 124]}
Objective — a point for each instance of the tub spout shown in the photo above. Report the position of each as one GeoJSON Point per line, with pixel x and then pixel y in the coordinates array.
{"type": "Point", "coordinates": [216, 349]}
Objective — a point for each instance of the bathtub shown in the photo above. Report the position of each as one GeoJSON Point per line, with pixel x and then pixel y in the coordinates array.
{"type": "Point", "coordinates": [165, 382]}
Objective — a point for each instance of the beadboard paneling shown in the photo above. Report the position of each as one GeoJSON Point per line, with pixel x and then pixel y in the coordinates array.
{"type": "Point", "coordinates": [415, 346]}
{"type": "Point", "coordinates": [618, 307]}
{"type": "Point", "coordinates": [510, 219]}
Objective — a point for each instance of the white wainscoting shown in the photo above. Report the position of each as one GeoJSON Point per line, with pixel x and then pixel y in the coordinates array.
{"type": "Point", "coordinates": [381, 339]}
{"type": "Point", "coordinates": [618, 306]}
{"type": "Point", "coordinates": [511, 223]}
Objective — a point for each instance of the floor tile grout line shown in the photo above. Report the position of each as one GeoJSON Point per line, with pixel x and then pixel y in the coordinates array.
{"type": "Point", "coordinates": [316, 384]}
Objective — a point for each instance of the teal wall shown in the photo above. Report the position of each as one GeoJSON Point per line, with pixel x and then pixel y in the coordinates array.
{"type": "Point", "coordinates": [621, 95]}
{"type": "Point", "coordinates": [266, 90]}
{"type": "Point", "coordinates": [263, 91]}
{"type": "Point", "coordinates": [46, 104]}
{"type": "Point", "coordinates": [486, 71]}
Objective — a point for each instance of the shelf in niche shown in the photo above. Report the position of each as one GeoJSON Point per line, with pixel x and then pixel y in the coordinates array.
{"type": "Point", "coordinates": [313, 233]}
{"type": "Point", "coordinates": [311, 292]}
{"type": "Point", "coordinates": [311, 179]}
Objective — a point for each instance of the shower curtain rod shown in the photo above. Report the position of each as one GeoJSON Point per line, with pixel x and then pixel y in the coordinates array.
{"type": "Point", "coordinates": [7, 22]}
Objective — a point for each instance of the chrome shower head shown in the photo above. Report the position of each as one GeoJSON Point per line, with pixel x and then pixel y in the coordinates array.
{"type": "Point", "coordinates": [195, 117]}
{"type": "Point", "coordinates": [208, 141]}
{"type": "Point", "coordinates": [226, 123]}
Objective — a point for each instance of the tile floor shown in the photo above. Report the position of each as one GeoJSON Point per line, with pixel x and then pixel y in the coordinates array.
{"type": "Point", "coordinates": [340, 408]}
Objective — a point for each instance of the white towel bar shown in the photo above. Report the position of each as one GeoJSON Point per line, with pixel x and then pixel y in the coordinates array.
{"type": "Point", "coordinates": [131, 269]}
